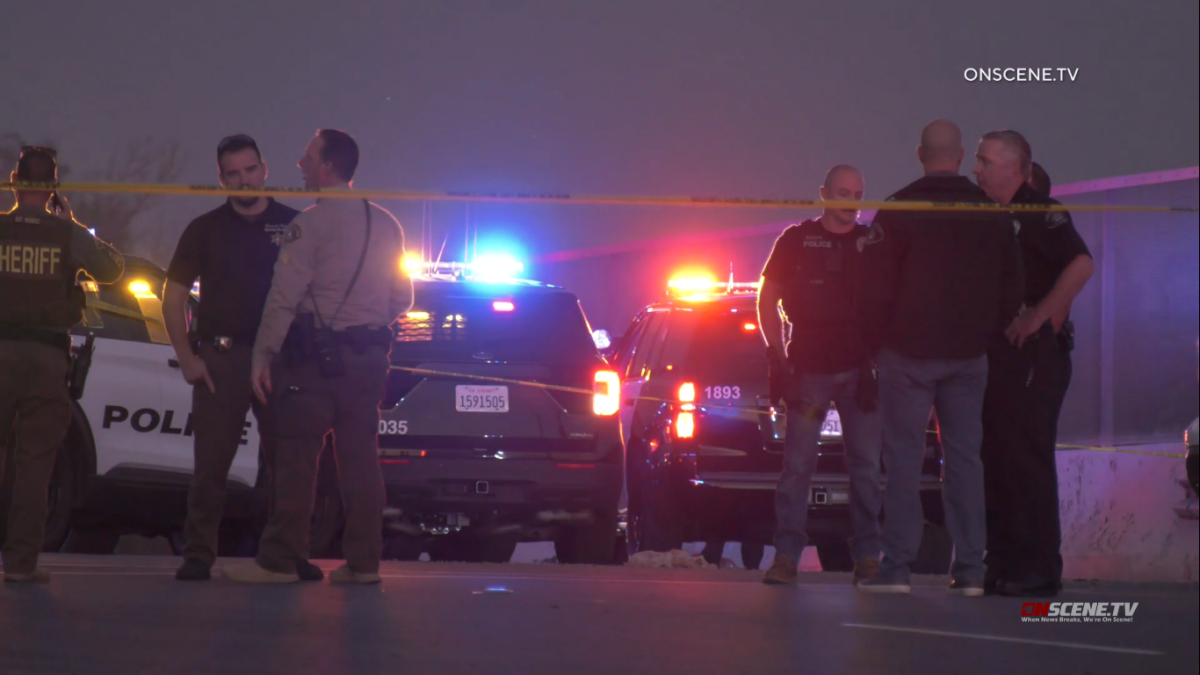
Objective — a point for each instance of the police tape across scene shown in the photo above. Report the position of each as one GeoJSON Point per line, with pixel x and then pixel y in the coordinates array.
{"type": "Point", "coordinates": [614, 200]}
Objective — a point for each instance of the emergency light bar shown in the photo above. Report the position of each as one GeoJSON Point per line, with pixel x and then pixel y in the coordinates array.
{"type": "Point", "coordinates": [699, 288]}
{"type": "Point", "coordinates": [485, 268]}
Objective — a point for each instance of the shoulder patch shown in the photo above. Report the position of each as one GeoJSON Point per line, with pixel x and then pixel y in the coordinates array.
{"type": "Point", "coordinates": [293, 233]}
{"type": "Point", "coordinates": [874, 236]}
{"type": "Point", "coordinates": [1056, 219]}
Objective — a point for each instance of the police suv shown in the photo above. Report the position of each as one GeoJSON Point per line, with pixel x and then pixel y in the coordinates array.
{"type": "Point", "coordinates": [126, 463]}
{"type": "Point", "coordinates": [500, 421]}
{"type": "Point", "coordinates": [705, 444]}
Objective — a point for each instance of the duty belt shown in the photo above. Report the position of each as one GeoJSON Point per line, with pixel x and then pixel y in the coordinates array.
{"type": "Point", "coordinates": [40, 336]}
{"type": "Point", "coordinates": [221, 343]}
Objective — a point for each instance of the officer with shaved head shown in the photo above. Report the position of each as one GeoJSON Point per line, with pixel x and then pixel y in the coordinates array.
{"type": "Point", "coordinates": [812, 275]}
{"type": "Point", "coordinates": [939, 286]}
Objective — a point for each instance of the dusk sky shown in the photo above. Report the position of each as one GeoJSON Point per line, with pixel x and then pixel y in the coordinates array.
{"type": "Point", "coordinates": [752, 99]}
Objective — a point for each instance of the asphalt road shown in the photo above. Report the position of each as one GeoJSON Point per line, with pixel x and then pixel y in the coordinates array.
{"type": "Point", "coordinates": [127, 615]}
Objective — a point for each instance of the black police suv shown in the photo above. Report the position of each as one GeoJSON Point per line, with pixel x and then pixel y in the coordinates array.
{"type": "Point", "coordinates": [499, 425]}
{"type": "Point", "coordinates": [705, 445]}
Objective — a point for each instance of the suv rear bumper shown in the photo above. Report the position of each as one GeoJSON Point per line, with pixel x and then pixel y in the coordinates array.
{"type": "Point", "coordinates": [513, 490]}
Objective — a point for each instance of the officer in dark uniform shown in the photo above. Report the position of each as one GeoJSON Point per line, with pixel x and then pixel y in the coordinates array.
{"type": "Point", "coordinates": [339, 285]}
{"type": "Point", "coordinates": [1028, 374]}
{"type": "Point", "coordinates": [40, 256]}
{"type": "Point", "coordinates": [812, 273]}
{"type": "Point", "coordinates": [232, 251]}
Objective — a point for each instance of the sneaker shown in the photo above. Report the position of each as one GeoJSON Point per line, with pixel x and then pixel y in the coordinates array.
{"type": "Point", "coordinates": [886, 584]}
{"type": "Point", "coordinates": [865, 570]}
{"type": "Point", "coordinates": [38, 576]}
{"type": "Point", "coordinates": [253, 573]}
{"type": "Point", "coordinates": [965, 588]}
{"type": "Point", "coordinates": [193, 569]}
{"type": "Point", "coordinates": [308, 571]}
{"type": "Point", "coordinates": [344, 575]}
{"type": "Point", "coordinates": [783, 571]}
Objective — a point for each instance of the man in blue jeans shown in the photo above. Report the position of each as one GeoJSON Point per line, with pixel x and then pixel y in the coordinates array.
{"type": "Point", "coordinates": [937, 286]}
{"type": "Point", "coordinates": [812, 272]}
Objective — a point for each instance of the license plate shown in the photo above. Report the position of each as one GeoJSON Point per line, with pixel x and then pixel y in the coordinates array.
{"type": "Point", "coordinates": [832, 426]}
{"type": "Point", "coordinates": [476, 398]}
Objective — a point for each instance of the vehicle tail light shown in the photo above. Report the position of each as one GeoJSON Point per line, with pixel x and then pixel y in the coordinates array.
{"type": "Point", "coordinates": [685, 419]}
{"type": "Point", "coordinates": [606, 396]}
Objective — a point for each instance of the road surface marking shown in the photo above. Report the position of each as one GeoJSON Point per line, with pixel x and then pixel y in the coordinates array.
{"type": "Point", "coordinates": [1000, 638]}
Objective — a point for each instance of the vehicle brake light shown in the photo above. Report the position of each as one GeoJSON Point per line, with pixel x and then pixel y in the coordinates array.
{"type": "Point", "coordinates": [503, 306]}
{"type": "Point", "coordinates": [606, 396]}
{"type": "Point", "coordinates": [748, 326]}
{"type": "Point", "coordinates": [685, 421]}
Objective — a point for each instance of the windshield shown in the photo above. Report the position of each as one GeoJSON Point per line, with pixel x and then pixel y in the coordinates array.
{"type": "Point", "coordinates": [540, 328]}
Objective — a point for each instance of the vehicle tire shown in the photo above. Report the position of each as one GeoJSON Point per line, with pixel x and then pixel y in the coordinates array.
{"type": "Point", "coordinates": [91, 541]}
{"type": "Point", "coordinates": [936, 552]}
{"type": "Point", "coordinates": [752, 554]}
{"type": "Point", "coordinates": [473, 548]}
{"type": "Point", "coordinates": [590, 544]}
{"type": "Point", "coordinates": [655, 520]}
{"type": "Point", "coordinates": [834, 555]}
{"type": "Point", "coordinates": [403, 547]}
{"type": "Point", "coordinates": [328, 514]}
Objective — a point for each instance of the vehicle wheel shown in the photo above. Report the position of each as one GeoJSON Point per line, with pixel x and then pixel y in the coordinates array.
{"type": "Point", "coordinates": [835, 556]}
{"type": "Point", "coordinates": [404, 547]}
{"type": "Point", "coordinates": [473, 548]}
{"type": "Point", "coordinates": [752, 554]}
{"type": "Point", "coordinates": [590, 544]}
{"type": "Point", "coordinates": [936, 552]}
{"type": "Point", "coordinates": [97, 541]}
{"type": "Point", "coordinates": [329, 514]}
{"type": "Point", "coordinates": [655, 520]}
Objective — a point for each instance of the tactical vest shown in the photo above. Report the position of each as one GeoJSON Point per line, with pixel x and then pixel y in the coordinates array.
{"type": "Point", "coordinates": [823, 283]}
{"type": "Point", "coordinates": [37, 275]}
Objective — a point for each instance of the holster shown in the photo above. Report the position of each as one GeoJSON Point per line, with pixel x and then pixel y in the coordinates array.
{"type": "Point", "coordinates": [1066, 337]}
{"type": "Point", "coordinates": [81, 364]}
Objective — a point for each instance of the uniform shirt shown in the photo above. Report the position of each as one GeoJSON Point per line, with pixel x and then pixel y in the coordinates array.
{"type": "Point", "coordinates": [97, 259]}
{"type": "Point", "coordinates": [233, 256]}
{"type": "Point", "coordinates": [940, 284]}
{"type": "Point", "coordinates": [321, 250]}
{"type": "Point", "coordinates": [1049, 242]}
{"type": "Point", "coordinates": [817, 269]}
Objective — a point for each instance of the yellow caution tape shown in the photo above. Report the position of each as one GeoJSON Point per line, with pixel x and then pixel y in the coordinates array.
{"type": "Point", "coordinates": [1123, 451]}
{"type": "Point", "coordinates": [432, 195]}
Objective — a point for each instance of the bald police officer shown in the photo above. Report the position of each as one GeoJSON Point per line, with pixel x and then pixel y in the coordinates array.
{"type": "Point", "coordinates": [321, 361]}
{"type": "Point", "coordinates": [40, 256]}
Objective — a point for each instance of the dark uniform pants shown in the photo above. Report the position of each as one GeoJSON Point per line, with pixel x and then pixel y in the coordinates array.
{"type": "Point", "coordinates": [1026, 389]}
{"type": "Point", "coordinates": [219, 420]}
{"type": "Point", "coordinates": [34, 402]}
{"type": "Point", "coordinates": [305, 407]}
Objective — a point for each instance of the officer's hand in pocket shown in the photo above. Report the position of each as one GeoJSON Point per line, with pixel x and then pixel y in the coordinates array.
{"type": "Point", "coordinates": [866, 395]}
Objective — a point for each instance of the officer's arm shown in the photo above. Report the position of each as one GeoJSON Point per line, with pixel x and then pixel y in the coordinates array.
{"type": "Point", "coordinates": [879, 266]}
{"type": "Point", "coordinates": [293, 274]}
{"type": "Point", "coordinates": [769, 320]}
{"type": "Point", "coordinates": [101, 261]}
{"type": "Point", "coordinates": [1067, 246]}
{"type": "Point", "coordinates": [175, 297]}
{"type": "Point", "coordinates": [1012, 282]}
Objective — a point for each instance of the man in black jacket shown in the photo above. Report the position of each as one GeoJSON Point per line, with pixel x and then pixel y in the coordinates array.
{"type": "Point", "coordinates": [937, 286]}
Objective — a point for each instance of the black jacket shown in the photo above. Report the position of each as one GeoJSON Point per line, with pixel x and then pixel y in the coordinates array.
{"type": "Point", "coordinates": [939, 284]}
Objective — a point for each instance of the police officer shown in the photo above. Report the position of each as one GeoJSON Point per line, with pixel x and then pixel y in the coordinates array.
{"type": "Point", "coordinates": [338, 286]}
{"type": "Point", "coordinates": [232, 250]}
{"type": "Point", "coordinates": [40, 256]}
{"type": "Point", "coordinates": [939, 285]}
{"type": "Point", "coordinates": [1029, 372]}
{"type": "Point", "coordinates": [812, 272]}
